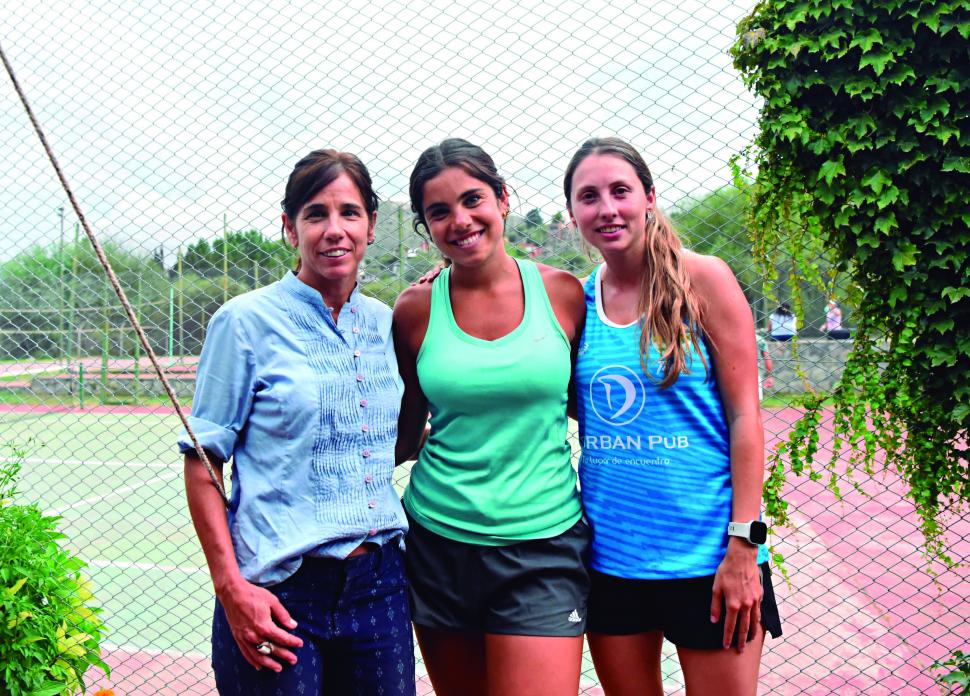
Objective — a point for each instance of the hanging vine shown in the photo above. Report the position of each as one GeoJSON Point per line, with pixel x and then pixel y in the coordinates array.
{"type": "Point", "coordinates": [863, 160]}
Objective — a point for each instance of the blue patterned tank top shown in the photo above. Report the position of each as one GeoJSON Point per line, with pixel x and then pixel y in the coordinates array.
{"type": "Point", "coordinates": [655, 472]}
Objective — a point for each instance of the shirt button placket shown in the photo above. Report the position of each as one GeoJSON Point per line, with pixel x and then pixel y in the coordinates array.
{"type": "Point", "coordinates": [364, 427]}
{"type": "Point", "coordinates": [355, 331]}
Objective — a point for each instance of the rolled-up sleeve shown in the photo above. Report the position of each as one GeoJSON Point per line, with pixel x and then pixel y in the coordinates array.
{"type": "Point", "coordinates": [224, 386]}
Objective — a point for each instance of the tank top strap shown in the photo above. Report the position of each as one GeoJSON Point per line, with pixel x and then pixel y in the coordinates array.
{"type": "Point", "coordinates": [538, 306]}
{"type": "Point", "coordinates": [439, 315]}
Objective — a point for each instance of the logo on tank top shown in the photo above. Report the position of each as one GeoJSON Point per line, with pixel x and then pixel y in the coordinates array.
{"type": "Point", "coordinates": [616, 394]}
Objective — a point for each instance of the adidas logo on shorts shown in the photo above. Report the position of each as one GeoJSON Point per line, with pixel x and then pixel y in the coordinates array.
{"type": "Point", "coordinates": [574, 617]}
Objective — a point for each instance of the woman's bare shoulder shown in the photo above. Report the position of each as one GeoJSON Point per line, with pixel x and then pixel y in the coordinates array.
{"type": "Point", "coordinates": [710, 275]}
{"type": "Point", "coordinates": [413, 304]}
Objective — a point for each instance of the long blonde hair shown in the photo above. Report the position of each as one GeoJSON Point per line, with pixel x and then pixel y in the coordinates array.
{"type": "Point", "coordinates": [669, 309]}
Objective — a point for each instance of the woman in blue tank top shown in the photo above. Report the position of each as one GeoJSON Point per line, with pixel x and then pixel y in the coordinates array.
{"type": "Point", "coordinates": [673, 447]}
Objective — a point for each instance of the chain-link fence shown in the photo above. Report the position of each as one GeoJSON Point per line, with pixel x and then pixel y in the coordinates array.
{"type": "Point", "coordinates": [177, 123]}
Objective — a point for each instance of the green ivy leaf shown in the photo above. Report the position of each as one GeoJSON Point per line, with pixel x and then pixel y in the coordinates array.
{"type": "Point", "coordinates": [931, 20]}
{"type": "Point", "coordinates": [942, 83]}
{"type": "Point", "coordinates": [831, 38]}
{"type": "Point", "coordinates": [865, 40]}
{"type": "Point", "coordinates": [796, 15]}
{"type": "Point", "coordinates": [876, 180]}
{"type": "Point", "coordinates": [830, 170]}
{"type": "Point", "coordinates": [904, 255]}
{"type": "Point", "coordinates": [956, 164]}
{"type": "Point", "coordinates": [898, 294]}
{"type": "Point", "coordinates": [956, 294]}
{"type": "Point", "coordinates": [796, 47]}
{"type": "Point", "coordinates": [877, 60]}
{"type": "Point", "coordinates": [886, 223]}
{"type": "Point", "coordinates": [899, 74]}
{"type": "Point", "coordinates": [935, 105]}
{"type": "Point", "coordinates": [889, 196]}
{"type": "Point", "coordinates": [857, 85]}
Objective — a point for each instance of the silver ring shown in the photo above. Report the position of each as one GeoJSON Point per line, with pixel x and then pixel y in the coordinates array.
{"type": "Point", "coordinates": [264, 648]}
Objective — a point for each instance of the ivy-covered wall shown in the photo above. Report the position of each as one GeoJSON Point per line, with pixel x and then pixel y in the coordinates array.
{"type": "Point", "coordinates": [863, 161]}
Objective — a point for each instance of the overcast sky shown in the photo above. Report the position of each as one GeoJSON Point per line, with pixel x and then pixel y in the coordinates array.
{"type": "Point", "coordinates": [166, 117]}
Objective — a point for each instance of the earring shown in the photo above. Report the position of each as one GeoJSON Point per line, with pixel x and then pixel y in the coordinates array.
{"type": "Point", "coordinates": [650, 216]}
{"type": "Point", "coordinates": [371, 241]}
{"type": "Point", "coordinates": [505, 214]}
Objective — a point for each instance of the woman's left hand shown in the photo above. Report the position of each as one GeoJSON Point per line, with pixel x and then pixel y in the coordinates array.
{"type": "Point", "coordinates": [737, 588]}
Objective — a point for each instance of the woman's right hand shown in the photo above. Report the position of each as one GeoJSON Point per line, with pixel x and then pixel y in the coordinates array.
{"type": "Point", "coordinates": [255, 615]}
{"type": "Point", "coordinates": [430, 275]}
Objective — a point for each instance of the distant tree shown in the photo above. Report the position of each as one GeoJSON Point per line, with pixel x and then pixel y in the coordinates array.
{"type": "Point", "coordinates": [55, 302]}
{"type": "Point", "coordinates": [249, 257]}
{"type": "Point", "coordinates": [528, 230]}
{"type": "Point", "coordinates": [716, 224]}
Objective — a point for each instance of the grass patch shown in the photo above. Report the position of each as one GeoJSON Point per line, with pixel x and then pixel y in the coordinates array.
{"type": "Point", "coordinates": [787, 401]}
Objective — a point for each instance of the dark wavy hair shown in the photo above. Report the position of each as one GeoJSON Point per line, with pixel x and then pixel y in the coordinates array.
{"type": "Point", "coordinates": [453, 152]}
{"type": "Point", "coordinates": [318, 170]}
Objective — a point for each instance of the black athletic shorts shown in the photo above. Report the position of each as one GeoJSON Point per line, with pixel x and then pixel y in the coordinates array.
{"type": "Point", "coordinates": [531, 588]}
{"type": "Point", "coordinates": [681, 609]}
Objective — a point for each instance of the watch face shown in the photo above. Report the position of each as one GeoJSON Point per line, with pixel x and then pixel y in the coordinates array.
{"type": "Point", "coordinates": [759, 532]}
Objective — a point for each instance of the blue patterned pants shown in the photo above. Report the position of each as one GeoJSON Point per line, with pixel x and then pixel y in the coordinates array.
{"type": "Point", "coordinates": [355, 624]}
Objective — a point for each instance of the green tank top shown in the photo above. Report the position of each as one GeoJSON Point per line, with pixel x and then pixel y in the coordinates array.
{"type": "Point", "coordinates": [496, 466]}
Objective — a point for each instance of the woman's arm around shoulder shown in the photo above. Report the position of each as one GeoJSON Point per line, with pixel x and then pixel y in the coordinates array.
{"type": "Point", "coordinates": [412, 312]}
{"type": "Point", "coordinates": [567, 298]}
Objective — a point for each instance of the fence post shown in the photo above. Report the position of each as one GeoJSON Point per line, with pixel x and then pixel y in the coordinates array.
{"type": "Point", "coordinates": [400, 250]}
{"type": "Point", "coordinates": [62, 341]}
{"type": "Point", "coordinates": [136, 375]}
{"type": "Point", "coordinates": [181, 305]}
{"type": "Point", "coordinates": [225, 259]}
{"type": "Point", "coordinates": [171, 322]}
{"type": "Point", "coordinates": [105, 347]}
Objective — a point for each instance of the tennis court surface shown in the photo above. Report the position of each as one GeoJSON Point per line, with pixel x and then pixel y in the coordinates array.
{"type": "Point", "coordinates": [860, 614]}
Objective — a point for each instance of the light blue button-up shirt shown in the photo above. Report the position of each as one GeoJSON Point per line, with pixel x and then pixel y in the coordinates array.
{"type": "Point", "coordinates": [307, 410]}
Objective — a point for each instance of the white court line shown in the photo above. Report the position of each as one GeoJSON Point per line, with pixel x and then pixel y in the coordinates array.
{"type": "Point", "coordinates": [115, 493]}
{"type": "Point", "coordinates": [174, 654]}
{"type": "Point", "coordinates": [113, 464]}
{"type": "Point", "coordinates": [164, 567]}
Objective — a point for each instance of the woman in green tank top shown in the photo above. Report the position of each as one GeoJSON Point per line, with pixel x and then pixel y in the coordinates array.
{"type": "Point", "coordinates": [497, 548]}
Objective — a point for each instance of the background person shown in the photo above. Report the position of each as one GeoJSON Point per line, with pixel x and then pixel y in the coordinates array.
{"type": "Point", "coordinates": [298, 384]}
{"type": "Point", "coordinates": [833, 321]}
{"type": "Point", "coordinates": [673, 446]}
{"type": "Point", "coordinates": [766, 367]}
{"type": "Point", "coordinates": [782, 323]}
{"type": "Point", "coordinates": [497, 545]}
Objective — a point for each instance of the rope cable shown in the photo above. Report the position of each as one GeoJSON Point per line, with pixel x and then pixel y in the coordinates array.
{"type": "Point", "coordinates": [119, 291]}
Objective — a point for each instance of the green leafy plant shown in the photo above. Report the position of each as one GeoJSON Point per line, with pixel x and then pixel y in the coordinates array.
{"type": "Point", "coordinates": [862, 165]}
{"type": "Point", "coordinates": [49, 634]}
{"type": "Point", "coordinates": [956, 680]}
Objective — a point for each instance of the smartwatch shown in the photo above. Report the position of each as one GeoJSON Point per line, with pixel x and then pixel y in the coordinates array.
{"type": "Point", "coordinates": [754, 532]}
